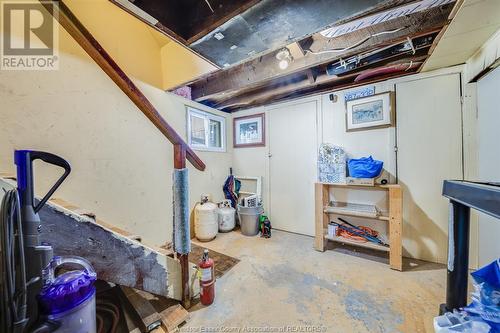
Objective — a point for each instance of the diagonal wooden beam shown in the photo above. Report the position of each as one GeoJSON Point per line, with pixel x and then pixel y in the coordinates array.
{"type": "Point", "coordinates": [115, 257]}
{"type": "Point", "coordinates": [85, 39]}
{"type": "Point", "coordinates": [259, 71]}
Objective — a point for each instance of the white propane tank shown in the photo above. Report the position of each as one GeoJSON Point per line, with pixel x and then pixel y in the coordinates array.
{"type": "Point", "coordinates": [205, 220]}
{"type": "Point", "coordinates": [226, 216]}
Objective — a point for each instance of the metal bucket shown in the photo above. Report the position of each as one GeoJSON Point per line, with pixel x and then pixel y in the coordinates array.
{"type": "Point", "coordinates": [249, 219]}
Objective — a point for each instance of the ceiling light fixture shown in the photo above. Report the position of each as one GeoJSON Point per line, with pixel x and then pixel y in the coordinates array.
{"type": "Point", "coordinates": [284, 57]}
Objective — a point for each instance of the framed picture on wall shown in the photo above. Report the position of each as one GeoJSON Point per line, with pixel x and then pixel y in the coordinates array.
{"type": "Point", "coordinates": [370, 112]}
{"type": "Point", "coordinates": [249, 131]}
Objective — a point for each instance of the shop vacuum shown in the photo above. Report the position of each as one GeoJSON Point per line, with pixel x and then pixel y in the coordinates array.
{"type": "Point", "coordinates": [33, 298]}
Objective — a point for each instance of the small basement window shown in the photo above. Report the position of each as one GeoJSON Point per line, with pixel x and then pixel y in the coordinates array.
{"type": "Point", "coordinates": [206, 131]}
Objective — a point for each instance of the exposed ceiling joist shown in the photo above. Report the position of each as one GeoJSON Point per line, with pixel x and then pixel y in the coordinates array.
{"type": "Point", "coordinates": [300, 84]}
{"type": "Point", "coordinates": [272, 98]}
{"type": "Point", "coordinates": [260, 71]}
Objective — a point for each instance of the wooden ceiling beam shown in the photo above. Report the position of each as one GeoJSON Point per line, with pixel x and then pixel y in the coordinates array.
{"type": "Point", "coordinates": [302, 84]}
{"type": "Point", "coordinates": [317, 72]}
{"type": "Point", "coordinates": [370, 59]}
{"type": "Point", "coordinates": [257, 72]}
{"type": "Point", "coordinates": [328, 87]}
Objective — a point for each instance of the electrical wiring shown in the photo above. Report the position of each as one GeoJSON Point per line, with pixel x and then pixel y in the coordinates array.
{"type": "Point", "coordinates": [346, 234]}
{"type": "Point", "coordinates": [106, 307]}
{"type": "Point", "coordinates": [13, 282]}
{"type": "Point", "coordinates": [356, 44]}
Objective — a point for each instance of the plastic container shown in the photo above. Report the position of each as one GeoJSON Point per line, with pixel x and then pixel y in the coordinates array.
{"type": "Point", "coordinates": [249, 219]}
{"type": "Point", "coordinates": [459, 322]}
{"type": "Point", "coordinates": [206, 221]}
{"type": "Point", "coordinates": [226, 215]}
{"type": "Point", "coordinates": [332, 230]}
{"type": "Point", "coordinates": [69, 298]}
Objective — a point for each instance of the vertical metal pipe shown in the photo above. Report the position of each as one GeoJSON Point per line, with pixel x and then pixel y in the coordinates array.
{"type": "Point", "coordinates": [458, 256]}
{"type": "Point", "coordinates": [180, 163]}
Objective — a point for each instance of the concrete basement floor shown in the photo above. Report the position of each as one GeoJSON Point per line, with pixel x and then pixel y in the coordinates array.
{"type": "Point", "coordinates": [283, 281]}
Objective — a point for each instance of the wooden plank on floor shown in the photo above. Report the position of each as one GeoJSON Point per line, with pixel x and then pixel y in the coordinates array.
{"type": "Point", "coordinates": [173, 316]}
{"type": "Point", "coordinates": [144, 313]}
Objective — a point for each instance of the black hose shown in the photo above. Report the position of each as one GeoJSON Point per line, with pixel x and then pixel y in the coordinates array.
{"type": "Point", "coordinates": [12, 265]}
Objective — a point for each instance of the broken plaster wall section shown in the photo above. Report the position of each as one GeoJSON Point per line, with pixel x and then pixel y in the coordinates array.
{"type": "Point", "coordinates": [121, 164]}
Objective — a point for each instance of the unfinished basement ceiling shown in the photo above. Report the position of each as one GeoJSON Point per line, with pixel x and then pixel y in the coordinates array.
{"type": "Point", "coordinates": [228, 32]}
{"type": "Point", "coordinates": [390, 43]}
{"type": "Point", "coordinates": [332, 44]}
{"type": "Point", "coordinates": [272, 24]}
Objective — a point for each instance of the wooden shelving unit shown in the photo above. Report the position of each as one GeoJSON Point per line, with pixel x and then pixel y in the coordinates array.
{"type": "Point", "coordinates": [395, 200]}
{"type": "Point", "coordinates": [367, 245]}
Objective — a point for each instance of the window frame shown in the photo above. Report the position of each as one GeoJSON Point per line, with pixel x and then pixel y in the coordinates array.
{"type": "Point", "coordinates": [207, 116]}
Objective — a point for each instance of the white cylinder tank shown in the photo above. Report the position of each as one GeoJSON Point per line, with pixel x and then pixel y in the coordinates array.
{"type": "Point", "coordinates": [205, 221]}
{"type": "Point", "coordinates": [226, 216]}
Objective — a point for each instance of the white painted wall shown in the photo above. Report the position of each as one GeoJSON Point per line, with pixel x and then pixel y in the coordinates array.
{"type": "Point", "coordinates": [122, 165]}
{"type": "Point", "coordinates": [429, 151]}
{"type": "Point", "coordinates": [481, 155]}
{"type": "Point", "coordinates": [488, 90]}
{"type": "Point", "coordinates": [469, 109]}
{"type": "Point", "coordinates": [378, 142]}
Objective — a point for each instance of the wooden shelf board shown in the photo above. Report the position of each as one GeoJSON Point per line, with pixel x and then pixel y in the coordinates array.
{"type": "Point", "coordinates": [376, 186]}
{"type": "Point", "coordinates": [368, 245]}
{"type": "Point", "coordinates": [380, 217]}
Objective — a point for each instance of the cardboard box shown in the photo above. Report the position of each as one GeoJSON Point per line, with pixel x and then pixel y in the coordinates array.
{"type": "Point", "coordinates": [360, 181]}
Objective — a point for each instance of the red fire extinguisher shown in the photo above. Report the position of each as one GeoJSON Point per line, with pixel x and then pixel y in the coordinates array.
{"type": "Point", "coordinates": [207, 279]}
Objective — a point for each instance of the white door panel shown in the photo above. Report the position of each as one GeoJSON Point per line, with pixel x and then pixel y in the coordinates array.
{"type": "Point", "coordinates": [292, 164]}
{"type": "Point", "coordinates": [429, 128]}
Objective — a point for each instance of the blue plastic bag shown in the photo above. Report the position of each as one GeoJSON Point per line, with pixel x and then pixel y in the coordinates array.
{"type": "Point", "coordinates": [364, 167]}
{"type": "Point", "coordinates": [486, 295]}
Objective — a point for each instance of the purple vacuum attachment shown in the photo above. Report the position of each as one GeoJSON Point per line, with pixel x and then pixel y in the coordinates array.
{"type": "Point", "coordinates": [67, 290]}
